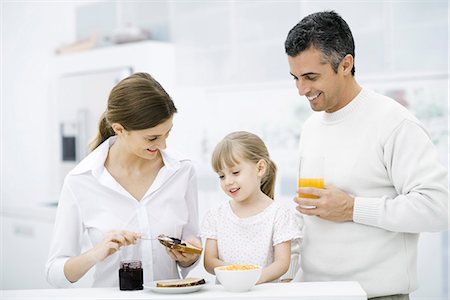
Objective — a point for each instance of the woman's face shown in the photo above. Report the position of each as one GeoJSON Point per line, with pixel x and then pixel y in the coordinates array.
{"type": "Point", "coordinates": [146, 143]}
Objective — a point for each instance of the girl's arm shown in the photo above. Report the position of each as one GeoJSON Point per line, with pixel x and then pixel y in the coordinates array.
{"type": "Point", "coordinates": [280, 265]}
{"type": "Point", "coordinates": [294, 264]}
{"type": "Point", "coordinates": [211, 258]}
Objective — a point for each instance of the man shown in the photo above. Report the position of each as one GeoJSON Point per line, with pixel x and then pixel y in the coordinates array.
{"type": "Point", "coordinates": [384, 182]}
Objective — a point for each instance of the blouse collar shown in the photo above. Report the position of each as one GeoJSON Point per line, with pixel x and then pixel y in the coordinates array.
{"type": "Point", "coordinates": [95, 161]}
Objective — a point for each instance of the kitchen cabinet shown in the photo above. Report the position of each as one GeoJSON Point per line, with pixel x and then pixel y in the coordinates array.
{"type": "Point", "coordinates": [26, 235]}
{"type": "Point", "coordinates": [25, 244]}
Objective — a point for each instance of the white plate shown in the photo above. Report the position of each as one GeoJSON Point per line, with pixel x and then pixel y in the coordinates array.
{"type": "Point", "coordinates": [172, 290]}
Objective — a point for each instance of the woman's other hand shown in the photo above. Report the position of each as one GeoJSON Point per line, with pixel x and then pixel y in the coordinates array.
{"type": "Point", "coordinates": [185, 259]}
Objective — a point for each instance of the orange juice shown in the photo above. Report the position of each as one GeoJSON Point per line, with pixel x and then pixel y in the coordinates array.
{"type": "Point", "coordinates": [310, 182]}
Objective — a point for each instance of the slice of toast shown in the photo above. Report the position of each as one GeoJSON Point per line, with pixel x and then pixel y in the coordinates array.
{"type": "Point", "coordinates": [178, 244]}
{"type": "Point", "coordinates": [190, 281]}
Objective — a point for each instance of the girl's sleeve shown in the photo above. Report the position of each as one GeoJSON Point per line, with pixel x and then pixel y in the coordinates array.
{"type": "Point", "coordinates": [287, 226]}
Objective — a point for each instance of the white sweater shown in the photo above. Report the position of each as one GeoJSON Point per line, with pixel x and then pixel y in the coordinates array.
{"type": "Point", "coordinates": [378, 152]}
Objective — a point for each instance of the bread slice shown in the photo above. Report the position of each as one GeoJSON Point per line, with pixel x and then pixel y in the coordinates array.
{"type": "Point", "coordinates": [178, 245]}
{"type": "Point", "coordinates": [190, 281]}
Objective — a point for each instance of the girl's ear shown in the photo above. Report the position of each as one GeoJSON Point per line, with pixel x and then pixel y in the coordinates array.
{"type": "Point", "coordinates": [261, 165]}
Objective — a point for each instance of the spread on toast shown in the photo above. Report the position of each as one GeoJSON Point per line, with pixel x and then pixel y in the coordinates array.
{"type": "Point", "coordinates": [177, 244]}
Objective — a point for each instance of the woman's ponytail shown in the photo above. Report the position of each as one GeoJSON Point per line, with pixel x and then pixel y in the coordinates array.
{"type": "Point", "coordinates": [104, 132]}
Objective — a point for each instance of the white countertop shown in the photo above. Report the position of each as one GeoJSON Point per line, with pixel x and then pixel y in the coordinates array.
{"type": "Point", "coordinates": [344, 290]}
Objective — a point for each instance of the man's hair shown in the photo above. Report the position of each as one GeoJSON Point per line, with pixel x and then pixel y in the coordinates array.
{"type": "Point", "coordinates": [325, 31]}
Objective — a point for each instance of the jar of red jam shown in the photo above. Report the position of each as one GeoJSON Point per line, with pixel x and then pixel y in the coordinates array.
{"type": "Point", "coordinates": [131, 275]}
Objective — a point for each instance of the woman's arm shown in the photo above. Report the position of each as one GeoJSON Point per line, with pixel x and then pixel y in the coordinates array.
{"type": "Point", "coordinates": [280, 264]}
{"type": "Point", "coordinates": [211, 258]}
{"type": "Point", "coordinates": [76, 266]}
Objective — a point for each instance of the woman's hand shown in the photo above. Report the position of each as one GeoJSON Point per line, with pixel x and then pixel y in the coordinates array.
{"type": "Point", "coordinates": [185, 259]}
{"type": "Point", "coordinates": [113, 241]}
{"type": "Point", "coordinates": [76, 266]}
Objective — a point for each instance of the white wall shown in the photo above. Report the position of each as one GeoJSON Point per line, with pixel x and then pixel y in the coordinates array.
{"type": "Point", "coordinates": [31, 31]}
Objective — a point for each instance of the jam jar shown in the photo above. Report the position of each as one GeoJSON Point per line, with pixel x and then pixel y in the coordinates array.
{"type": "Point", "coordinates": [131, 275]}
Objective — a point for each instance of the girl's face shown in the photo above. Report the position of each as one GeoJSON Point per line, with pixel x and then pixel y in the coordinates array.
{"type": "Point", "coordinates": [242, 181]}
{"type": "Point", "coordinates": [146, 143]}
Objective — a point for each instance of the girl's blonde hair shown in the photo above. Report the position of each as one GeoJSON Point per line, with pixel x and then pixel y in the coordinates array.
{"type": "Point", "coordinates": [248, 146]}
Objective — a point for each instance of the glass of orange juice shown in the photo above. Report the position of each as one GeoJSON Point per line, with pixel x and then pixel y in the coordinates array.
{"type": "Point", "coordinates": [311, 174]}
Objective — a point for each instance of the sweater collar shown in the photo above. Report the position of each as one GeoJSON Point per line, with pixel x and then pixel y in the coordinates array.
{"type": "Point", "coordinates": [348, 110]}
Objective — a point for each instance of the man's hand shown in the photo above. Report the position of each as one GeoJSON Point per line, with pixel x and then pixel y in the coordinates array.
{"type": "Point", "coordinates": [332, 204]}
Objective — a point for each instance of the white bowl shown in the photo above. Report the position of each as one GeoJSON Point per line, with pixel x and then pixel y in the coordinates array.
{"type": "Point", "coordinates": [238, 280]}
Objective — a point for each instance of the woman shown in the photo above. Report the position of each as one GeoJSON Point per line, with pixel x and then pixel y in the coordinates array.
{"type": "Point", "coordinates": [128, 187]}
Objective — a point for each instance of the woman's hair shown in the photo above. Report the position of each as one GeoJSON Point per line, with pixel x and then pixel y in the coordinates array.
{"type": "Point", "coordinates": [326, 31]}
{"type": "Point", "coordinates": [136, 102]}
{"type": "Point", "coordinates": [242, 145]}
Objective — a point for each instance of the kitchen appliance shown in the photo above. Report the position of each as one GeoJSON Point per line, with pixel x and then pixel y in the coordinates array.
{"type": "Point", "coordinates": [81, 100]}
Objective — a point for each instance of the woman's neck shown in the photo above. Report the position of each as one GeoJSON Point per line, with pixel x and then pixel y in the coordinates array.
{"type": "Point", "coordinates": [120, 158]}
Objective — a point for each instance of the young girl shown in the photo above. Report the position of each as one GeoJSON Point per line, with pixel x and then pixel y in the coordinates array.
{"type": "Point", "coordinates": [251, 228]}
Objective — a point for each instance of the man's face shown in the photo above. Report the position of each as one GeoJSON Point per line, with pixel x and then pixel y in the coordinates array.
{"type": "Point", "coordinates": [315, 79]}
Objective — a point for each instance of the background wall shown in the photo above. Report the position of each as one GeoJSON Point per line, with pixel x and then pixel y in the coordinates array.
{"type": "Point", "coordinates": [231, 73]}
{"type": "Point", "coordinates": [31, 31]}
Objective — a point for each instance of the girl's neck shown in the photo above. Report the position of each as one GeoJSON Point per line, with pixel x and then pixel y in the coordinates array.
{"type": "Point", "coordinates": [251, 206]}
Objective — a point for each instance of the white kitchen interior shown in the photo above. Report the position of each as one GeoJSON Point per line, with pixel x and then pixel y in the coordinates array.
{"type": "Point", "coordinates": [224, 65]}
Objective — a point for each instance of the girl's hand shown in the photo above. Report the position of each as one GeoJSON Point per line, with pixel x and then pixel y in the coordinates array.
{"type": "Point", "coordinates": [113, 241]}
{"type": "Point", "coordinates": [185, 259]}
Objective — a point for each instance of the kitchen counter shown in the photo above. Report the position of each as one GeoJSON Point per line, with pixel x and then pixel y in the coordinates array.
{"type": "Point", "coordinates": [345, 290]}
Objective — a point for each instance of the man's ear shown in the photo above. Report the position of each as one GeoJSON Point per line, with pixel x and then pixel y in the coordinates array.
{"type": "Point", "coordinates": [347, 64]}
{"type": "Point", "coordinates": [262, 167]}
{"type": "Point", "coordinates": [118, 128]}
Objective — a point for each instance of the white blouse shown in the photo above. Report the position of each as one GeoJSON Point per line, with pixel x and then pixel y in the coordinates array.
{"type": "Point", "coordinates": [93, 202]}
{"type": "Point", "coordinates": [250, 240]}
